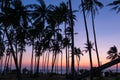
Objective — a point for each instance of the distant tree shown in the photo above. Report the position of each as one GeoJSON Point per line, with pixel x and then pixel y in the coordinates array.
{"type": "Point", "coordinates": [78, 53]}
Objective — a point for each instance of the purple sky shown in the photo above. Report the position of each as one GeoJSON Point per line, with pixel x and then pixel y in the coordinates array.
{"type": "Point", "coordinates": [107, 24]}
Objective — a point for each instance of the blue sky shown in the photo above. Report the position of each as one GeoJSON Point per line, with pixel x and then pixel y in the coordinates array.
{"type": "Point", "coordinates": [107, 24]}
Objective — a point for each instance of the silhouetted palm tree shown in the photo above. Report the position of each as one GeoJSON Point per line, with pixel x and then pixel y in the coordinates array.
{"type": "Point", "coordinates": [113, 54]}
{"type": "Point", "coordinates": [77, 53]}
{"type": "Point", "coordinates": [115, 5]}
{"type": "Point", "coordinates": [41, 16]}
{"type": "Point", "coordinates": [91, 6]}
{"type": "Point", "coordinates": [82, 6]}
{"type": "Point", "coordinates": [72, 39]}
{"type": "Point", "coordinates": [2, 49]}
{"type": "Point", "coordinates": [13, 16]}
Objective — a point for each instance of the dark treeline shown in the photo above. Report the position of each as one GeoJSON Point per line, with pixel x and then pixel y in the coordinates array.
{"type": "Point", "coordinates": [46, 29]}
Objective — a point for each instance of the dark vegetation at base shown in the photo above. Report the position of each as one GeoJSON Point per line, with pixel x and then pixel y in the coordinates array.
{"type": "Point", "coordinates": [109, 75]}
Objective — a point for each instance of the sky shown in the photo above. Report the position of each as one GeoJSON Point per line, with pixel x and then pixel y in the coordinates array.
{"type": "Point", "coordinates": [107, 27]}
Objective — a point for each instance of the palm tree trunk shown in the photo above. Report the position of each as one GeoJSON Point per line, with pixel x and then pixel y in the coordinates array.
{"type": "Point", "coordinates": [32, 58]}
{"type": "Point", "coordinates": [20, 61]}
{"type": "Point", "coordinates": [66, 62]}
{"type": "Point", "coordinates": [61, 62]}
{"type": "Point", "coordinates": [72, 36]}
{"type": "Point", "coordinates": [48, 63]}
{"type": "Point", "coordinates": [117, 68]}
{"type": "Point", "coordinates": [5, 64]}
{"type": "Point", "coordinates": [43, 61]}
{"type": "Point", "coordinates": [89, 49]}
{"type": "Point", "coordinates": [45, 64]}
{"type": "Point", "coordinates": [37, 66]}
{"type": "Point", "coordinates": [1, 64]}
{"type": "Point", "coordinates": [11, 62]}
{"type": "Point", "coordinates": [56, 63]}
{"type": "Point", "coordinates": [53, 62]}
{"type": "Point", "coordinates": [66, 49]}
{"type": "Point", "coordinates": [94, 33]}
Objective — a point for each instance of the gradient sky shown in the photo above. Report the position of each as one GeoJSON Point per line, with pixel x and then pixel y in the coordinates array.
{"type": "Point", "coordinates": [107, 24]}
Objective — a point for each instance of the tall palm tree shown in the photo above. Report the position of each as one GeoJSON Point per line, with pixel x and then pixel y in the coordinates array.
{"type": "Point", "coordinates": [91, 6]}
{"type": "Point", "coordinates": [113, 54]}
{"type": "Point", "coordinates": [82, 6]}
{"type": "Point", "coordinates": [2, 49]}
{"type": "Point", "coordinates": [72, 40]}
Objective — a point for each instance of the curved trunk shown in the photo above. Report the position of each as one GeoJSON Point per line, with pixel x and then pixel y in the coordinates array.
{"type": "Point", "coordinates": [99, 69]}
{"type": "Point", "coordinates": [95, 41]}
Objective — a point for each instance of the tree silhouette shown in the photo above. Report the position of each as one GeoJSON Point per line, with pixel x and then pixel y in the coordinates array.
{"type": "Point", "coordinates": [91, 7]}
{"type": "Point", "coordinates": [115, 5]}
{"type": "Point", "coordinates": [113, 54]}
{"type": "Point", "coordinates": [78, 53]}
{"type": "Point", "coordinates": [82, 6]}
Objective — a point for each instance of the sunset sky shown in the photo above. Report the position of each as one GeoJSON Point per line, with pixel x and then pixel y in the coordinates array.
{"type": "Point", "coordinates": [107, 24]}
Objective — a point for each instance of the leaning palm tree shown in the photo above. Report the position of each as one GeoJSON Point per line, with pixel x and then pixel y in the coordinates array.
{"type": "Point", "coordinates": [91, 6]}
{"type": "Point", "coordinates": [113, 54]}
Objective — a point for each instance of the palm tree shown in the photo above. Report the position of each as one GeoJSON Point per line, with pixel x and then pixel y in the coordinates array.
{"type": "Point", "coordinates": [113, 54]}
{"type": "Point", "coordinates": [13, 16]}
{"type": "Point", "coordinates": [82, 6]}
{"type": "Point", "coordinates": [92, 7]}
{"type": "Point", "coordinates": [56, 47]}
{"type": "Point", "coordinates": [116, 5]}
{"type": "Point", "coordinates": [41, 16]}
{"type": "Point", "coordinates": [72, 39]}
{"type": "Point", "coordinates": [2, 49]}
{"type": "Point", "coordinates": [77, 53]}
{"type": "Point", "coordinates": [6, 22]}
